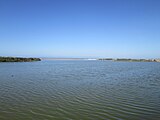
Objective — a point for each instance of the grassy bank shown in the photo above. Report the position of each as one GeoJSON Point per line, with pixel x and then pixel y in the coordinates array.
{"type": "Point", "coordinates": [18, 59]}
{"type": "Point", "coordinates": [131, 60]}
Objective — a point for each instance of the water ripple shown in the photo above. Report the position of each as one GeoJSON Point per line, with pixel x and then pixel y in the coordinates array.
{"type": "Point", "coordinates": [80, 90]}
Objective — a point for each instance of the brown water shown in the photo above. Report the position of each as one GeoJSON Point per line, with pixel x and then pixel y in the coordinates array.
{"type": "Point", "coordinates": [80, 90]}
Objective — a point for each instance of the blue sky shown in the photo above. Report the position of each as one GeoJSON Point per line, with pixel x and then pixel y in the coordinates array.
{"type": "Point", "coordinates": [80, 28]}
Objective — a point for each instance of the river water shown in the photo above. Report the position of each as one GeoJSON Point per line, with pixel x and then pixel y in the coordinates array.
{"type": "Point", "coordinates": [80, 90]}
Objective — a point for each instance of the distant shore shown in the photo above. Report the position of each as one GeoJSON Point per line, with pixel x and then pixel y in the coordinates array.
{"type": "Point", "coordinates": [107, 59]}
{"type": "Point", "coordinates": [64, 58]}
{"type": "Point", "coordinates": [131, 60]}
{"type": "Point", "coordinates": [21, 59]}
{"type": "Point", "coordinates": [18, 59]}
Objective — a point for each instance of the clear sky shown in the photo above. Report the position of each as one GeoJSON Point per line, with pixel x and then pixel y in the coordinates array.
{"type": "Point", "coordinates": [80, 28]}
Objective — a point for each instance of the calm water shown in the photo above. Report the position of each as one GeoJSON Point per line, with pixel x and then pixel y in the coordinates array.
{"type": "Point", "coordinates": [80, 90]}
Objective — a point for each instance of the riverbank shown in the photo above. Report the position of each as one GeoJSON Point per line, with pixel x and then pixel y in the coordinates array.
{"type": "Point", "coordinates": [18, 59]}
{"type": "Point", "coordinates": [131, 60]}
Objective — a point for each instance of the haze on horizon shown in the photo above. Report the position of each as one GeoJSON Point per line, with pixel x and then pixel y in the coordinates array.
{"type": "Point", "coordinates": [80, 28]}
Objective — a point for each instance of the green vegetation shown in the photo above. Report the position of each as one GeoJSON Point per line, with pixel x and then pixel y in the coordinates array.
{"type": "Point", "coordinates": [131, 60]}
{"type": "Point", "coordinates": [135, 60]}
{"type": "Point", "coordinates": [18, 59]}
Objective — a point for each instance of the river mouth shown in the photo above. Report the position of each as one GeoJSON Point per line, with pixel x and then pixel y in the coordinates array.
{"type": "Point", "coordinates": [79, 90]}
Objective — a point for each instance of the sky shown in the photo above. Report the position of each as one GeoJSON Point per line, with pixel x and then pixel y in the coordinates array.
{"type": "Point", "coordinates": [80, 28]}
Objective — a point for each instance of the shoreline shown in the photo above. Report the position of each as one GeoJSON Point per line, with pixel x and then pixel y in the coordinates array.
{"type": "Point", "coordinates": [22, 59]}
{"type": "Point", "coordinates": [130, 60]}
{"type": "Point", "coordinates": [18, 59]}
{"type": "Point", "coordinates": [106, 59]}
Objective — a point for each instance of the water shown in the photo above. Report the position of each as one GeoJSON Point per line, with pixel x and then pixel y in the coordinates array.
{"type": "Point", "coordinates": [80, 90]}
